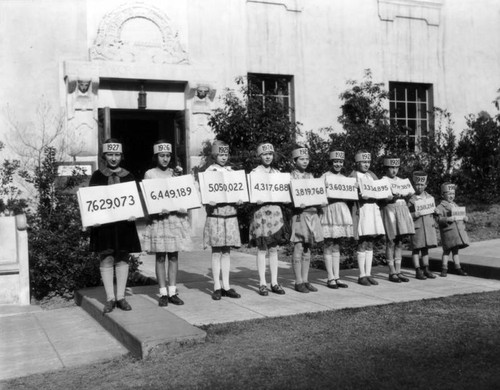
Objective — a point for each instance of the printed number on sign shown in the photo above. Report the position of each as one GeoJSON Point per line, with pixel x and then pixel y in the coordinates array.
{"type": "Point", "coordinates": [369, 187]}
{"type": "Point", "coordinates": [215, 187]}
{"type": "Point", "coordinates": [309, 191]}
{"type": "Point", "coordinates": [107, 204]}
{"type": "Point", "coordinates": [271, 187]}
{"type": "Point", "coordinates": [341, 187]}
{"type": "Point", "coordinates": [171, 194]}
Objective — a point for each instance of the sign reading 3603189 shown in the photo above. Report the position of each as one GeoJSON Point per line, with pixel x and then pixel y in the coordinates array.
{"type": "Point", "coordinates": [105, 204]}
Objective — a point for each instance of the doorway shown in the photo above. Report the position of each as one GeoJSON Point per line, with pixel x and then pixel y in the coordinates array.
{"type": "Point", "coordinates": [138, 130]}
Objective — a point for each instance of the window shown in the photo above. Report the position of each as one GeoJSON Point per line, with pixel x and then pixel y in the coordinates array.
{"type": "Point", "coordinates": [272, 89]}
{"type": "Point", "coordinates": [411, 108]}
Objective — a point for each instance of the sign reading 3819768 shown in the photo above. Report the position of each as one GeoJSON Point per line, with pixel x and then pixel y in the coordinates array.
{"type": "Point", "coordinates": [308, 192]}
{"type": "Point", "coordinates": [171, 194]}
{"type": "Point", "coordinates": [105, 204]}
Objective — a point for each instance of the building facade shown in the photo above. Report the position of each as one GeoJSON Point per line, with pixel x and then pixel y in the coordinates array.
{"type": "Point", "coordinates": [144, 70]}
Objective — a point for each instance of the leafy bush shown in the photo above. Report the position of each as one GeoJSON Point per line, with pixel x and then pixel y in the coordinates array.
{"type": "Point", "coordinates": [10, 201]}
{"type": "Point", "coordinates": [60, 262]}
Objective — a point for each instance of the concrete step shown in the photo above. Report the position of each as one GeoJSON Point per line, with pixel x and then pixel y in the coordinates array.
{"type": "Point", "coordinates": [143, 329]}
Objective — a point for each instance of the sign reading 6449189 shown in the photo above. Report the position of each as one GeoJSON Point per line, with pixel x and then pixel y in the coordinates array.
{"type": "Point", "coordinates": [105, 204]}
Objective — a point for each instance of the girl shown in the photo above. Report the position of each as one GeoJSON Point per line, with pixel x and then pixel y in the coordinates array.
{"type": "Point", "coordinates": [398, 224]}
{"type": "Point", "coordinates": [113, 241]}
{"type": "Point", "coordinates": [267, 228]}
{"type": "Point", "coordinates": [425, 228]}
{"type": "Point", "coordinates": [168, 232]}
{"type": "Point", "coordinates": [306, 227]}
{"type": "Point", "coordinates": [336, 221]}
{"type": "Point", "coordinates": [221, 230]}
{"type": "Point", "coordinates": [367, 221]}
{"type": "Point", "coordinates": [453, 234]}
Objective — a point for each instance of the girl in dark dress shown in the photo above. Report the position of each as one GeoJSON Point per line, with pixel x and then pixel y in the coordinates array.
{"type": "Point", "coordinates": [113, 241]}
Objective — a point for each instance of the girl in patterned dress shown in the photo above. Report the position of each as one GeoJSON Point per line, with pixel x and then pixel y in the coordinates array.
{"type": "Point", "coordinates": [168, 232]}
{"type": "Point", "coordinates": [398, 223]}
{"type": "Point", "coordinates": [221, 229]}
{"type": "Point", "coordinates": [336, 221]}
{"type": "Point", "coordinates": [367, 220]}
{"type": "Point", "coordinates": [267, 228]}
{"type": "Point", "coordinates": [306, 227]}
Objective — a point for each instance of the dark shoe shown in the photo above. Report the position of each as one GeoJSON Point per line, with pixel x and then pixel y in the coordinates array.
{"type": "Point", "coordinates": [216, 295]}
{"type": "Point", "coordinates": [341, 284]}
{"type": "Point", "coordinates": [429, 274]}
{"type": "Point", "coordinates": [123, 304]}
{"type": "Point", "coordinates": [277, 289]}
{"type": "Point", "coordinates": [163, 301]}
{"type": "Point", "coordinates": [310, 287]}
{"type": "Point", "coordinates": [332, 284]}
{"type": "Point", "coordinates": [444, 273]}
{"type": "Point", "coordinates": [419, 274]}
{"type": "Point", "coordinates": [394, 278]}
{"type": "Point", "coordinates": [263, 291]}
{"type": "Point", "coordinates": [301, 287]}
{"type": "Point", "coordinates": [403, 278]}
{"type": "Point", "coordinates": [461, 272]}
{"type": "Point", "coordinates": [364, 281]}
{"type": "Point", "coordinates": [230, 293]}
{"type": "Point", "coordinates": [109, 306]}
{"type": "Point", "coordinates": [175, 300]}
{"type": "Point", "coordinates": [371, 280]}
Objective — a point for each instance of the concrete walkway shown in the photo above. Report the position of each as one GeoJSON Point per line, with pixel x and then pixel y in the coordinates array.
{"type": "Point", "coordinates": [35, 341]}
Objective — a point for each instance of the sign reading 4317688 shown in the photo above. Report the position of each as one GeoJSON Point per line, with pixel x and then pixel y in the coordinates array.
{"type": "Point", "coordinates": [105, 204]}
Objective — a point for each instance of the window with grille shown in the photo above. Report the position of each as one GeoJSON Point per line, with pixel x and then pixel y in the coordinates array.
{"type": "Point", "coordinates": [268, 89]}
{"type": "Point", "coordinates": [411, 108]}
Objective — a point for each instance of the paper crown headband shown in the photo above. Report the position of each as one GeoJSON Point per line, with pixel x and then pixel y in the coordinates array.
{"type": "Point", "coordinates": [359, 157]}
{"type": "Point", "coordinates": [265, 148]}
{"type": "Point", "coordinates": [300, 152]}
{"type": "Point", "coordinates": [162, 148]}
{"type": "Point", "coordinates": [112, 147]}
{"type": "Point", "coordinates": [447, 187]}
{"type": "Point", "coordinates": [218, 148]}
{"type": "Point", "coordinates": [391, 162]}
{"type": "Point", "coordinates": [337, 155]}
{"type": "Point", "coordinates": [420, 178]}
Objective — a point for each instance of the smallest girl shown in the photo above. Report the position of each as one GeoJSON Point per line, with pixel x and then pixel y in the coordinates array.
{"type": "Point", "coordinates": [168, 232]}
{"type": "Point", "coordinates": [336, 221]}
{"type": "Point", "coordinates": [398, 223]}
{"type": "Point", "coordinates": [453, 234]}
{"type": "Point", "coordinates": [306, 227]}
{"type": "Point", "coordinates": [221, 230]}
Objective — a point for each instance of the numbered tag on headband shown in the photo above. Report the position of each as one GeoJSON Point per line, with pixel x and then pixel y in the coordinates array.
{"type": "Point", "coordinates": [308, 192]}
{"type": "Point", "coordinates": [106, 204]}
{"type": "Point", "coordinates": [341, 187]}
{"type": "Point", "coordinates": [170, 194]}
{"type": "Point", "coordinates": [269, 187]}
{"type": "Point", "coordinates": [223, 187]}
{"type": "Point", "coordinates": [375, 189]}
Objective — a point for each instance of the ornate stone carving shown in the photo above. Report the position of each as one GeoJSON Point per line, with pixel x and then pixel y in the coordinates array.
{"type": "Point", "coordinates": [427, 10]}
{"type": "Point", "coordinates": [138, 33]}
{"type": "Point", "coordinates": [203, 95]}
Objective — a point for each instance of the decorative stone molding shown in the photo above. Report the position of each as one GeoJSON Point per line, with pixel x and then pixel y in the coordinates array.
{"type": "Point", "coordinates": [427, 10]}
{"type": "Point", "coordinates": [290, 5]}
{"type": "Point", "coordinates": [115, 38]}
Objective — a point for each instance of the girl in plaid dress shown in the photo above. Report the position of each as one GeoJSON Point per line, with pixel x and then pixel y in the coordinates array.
{"type": "Point", "coordinates": [168, 232]}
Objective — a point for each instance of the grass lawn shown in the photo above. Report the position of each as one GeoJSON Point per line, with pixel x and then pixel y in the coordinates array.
{"type": "Point", "coordinates": [446, 343]}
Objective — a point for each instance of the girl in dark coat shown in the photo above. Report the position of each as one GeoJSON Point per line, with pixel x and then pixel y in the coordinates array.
{"type": "Point", "coordinates": [113, 241]}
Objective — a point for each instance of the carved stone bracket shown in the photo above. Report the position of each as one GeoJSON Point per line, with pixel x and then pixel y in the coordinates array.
{"type": "Point", "coordinates": [119, 37]}
{"type": "Point", "coordinates": [427, 10]}
{"type": "Point", "coordinates": [202, 95]}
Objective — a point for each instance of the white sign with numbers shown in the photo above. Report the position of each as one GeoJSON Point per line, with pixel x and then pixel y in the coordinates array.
{"type": "Point", "coordinates": [425, 206]}
{"type": "Point", "coordinates": [308, 192]}
{"type": "Point", "coordinates": [341, 187]}
{"type": "Point", "coordinates": [170, 194]}
{"type": "Point", "coordinates": [223, 187]}
{"type": "Point", "coordinates": [105, 204]}
{"type": "Point", "coordinates": [269, 187]}
{"type": "Point", "coordinates": [402, 187]}
{"type": "Point", "coordinates": [459, 213]}
{"type": "Point", "coordinates": [375, 189]}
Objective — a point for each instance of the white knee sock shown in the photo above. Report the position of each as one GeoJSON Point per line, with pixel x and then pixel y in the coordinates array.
{"type": "Point", "coordinates": [336, 264]}
{"type": "Point", "coordinates": [121, 279]}
{"type": "Point", "coordinates": [397, 263]}
{"type": "Point", "coordinates": [261, 267]}
{"type": "Point", "coordinates": [172, 290]}
{"type": "Point", "coordinates": [216, 269]}
{"type": "Point", "coordinates": [107, 272]}
{"type": "Point", "coordinates": [273, 266]}
{"type": "Point", "coordinates": [225, 265]}
{"type": "Point", "coordinates": [368, 266]}
{"type": "Point", "coordinates": [329, 266]}
{"type": "Point", "coordinates": [361, 256]}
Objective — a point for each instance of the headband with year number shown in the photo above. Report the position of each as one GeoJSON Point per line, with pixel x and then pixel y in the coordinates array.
{"type": "Point", "coordinates": [162, 148]}
{"type": "Point", "coordinates": [265, 148]}
{"type": "Point", "coordinates": [112, 147]}
{"type": "Point", "coordinates": [337, 155]}
{"type": "Point", "coordinates": [360, 157]}
{"type": "Point", "coordinates": [300, 152]}
{"type": "Point", "coordinates": [220, 148]}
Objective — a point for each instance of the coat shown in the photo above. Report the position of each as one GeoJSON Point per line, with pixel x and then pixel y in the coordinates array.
{"type": "Point", "coordinates": [453, 234]}
{"type": "Point", "coordinates": [425, 226]}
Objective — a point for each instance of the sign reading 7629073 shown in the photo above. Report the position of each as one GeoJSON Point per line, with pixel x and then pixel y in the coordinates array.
{"type": "Point", "coordinates": [105, 204]}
